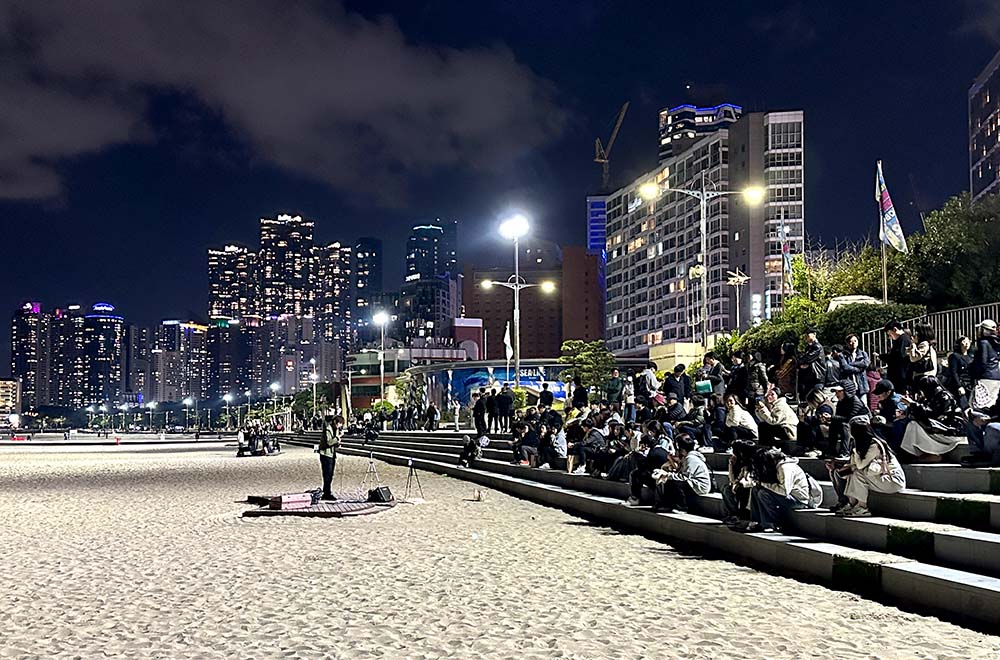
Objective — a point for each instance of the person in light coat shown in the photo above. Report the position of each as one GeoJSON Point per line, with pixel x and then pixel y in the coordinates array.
{"type": "Point", "coordinates": [740, 424]}
{"type": "Point", "coordinates": [777, 422]}
{"type": "Point", "coordinates": [680, 487]}
{"type": "Point", "coordinates": [873, 467]}
{"type": "Point", "coordinates": [782, 486]}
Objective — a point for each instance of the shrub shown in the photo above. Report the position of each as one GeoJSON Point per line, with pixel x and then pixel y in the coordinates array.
{"type": "Point", "coordinates": [836, 325]}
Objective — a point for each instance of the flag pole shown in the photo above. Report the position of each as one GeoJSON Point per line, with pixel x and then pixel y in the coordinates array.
{"type": "Point", "coordinates": [885, 277]}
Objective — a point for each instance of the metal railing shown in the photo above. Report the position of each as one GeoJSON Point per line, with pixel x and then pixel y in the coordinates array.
{"type": "Point", "coordinates": [948, 327]}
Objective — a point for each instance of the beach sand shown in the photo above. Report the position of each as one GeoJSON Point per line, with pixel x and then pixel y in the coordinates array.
{"type": "Point", "coordinates": [144, 555]}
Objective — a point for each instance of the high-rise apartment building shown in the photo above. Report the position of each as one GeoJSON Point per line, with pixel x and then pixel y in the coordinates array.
{"type": "Point", "coordinates": [285, 266]}
{"type": "Point", "coordinates": [766, 150]}
{"type": "Point", "coordinates": [423, 253]}
{"type": "Point", "coordinates": [227, 343]}
{"type": "Point", "coordinates": [232, 282]}
{"type": "Point", "coordinates": [367, 276]}
{"type": "Point", "coordinates": [658, 281]}
{"type": "Point", "coordinates": [103, 335]}
{"type": "Point", "coordinates": [136, 365]}
{"type": "Point", "coordinates": [180, 361]}
{"type": "Point", "coordinates": [68, 380]}
{"type": "Point", "coordinates": [29, 353]}
{"type": "Point", "coordinates": [449, 248]}
{"type": "Point", "coordinates": [984, 131]}
{"type": "Point", "coordinates": [682, 126]}
{"type": "Point", "coordinates": [335, 297]}
{"type": "Point", "coordinates": [10, 396]}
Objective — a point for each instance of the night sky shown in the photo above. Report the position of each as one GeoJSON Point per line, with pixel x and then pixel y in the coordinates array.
{"type": "Point", "coordinates": [135, 134]}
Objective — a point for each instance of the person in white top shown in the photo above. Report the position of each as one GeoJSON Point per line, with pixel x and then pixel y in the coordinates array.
{"type": "Point", "coordinates": [923, 355]}
{"type": "Point", "coordinates": [740, 424]}
{"type": "Point", "coordinates": [782, 486]}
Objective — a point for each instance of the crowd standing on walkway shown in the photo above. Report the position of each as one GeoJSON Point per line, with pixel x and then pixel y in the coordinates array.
{"type": "Point", "coordinates": [863, 415]}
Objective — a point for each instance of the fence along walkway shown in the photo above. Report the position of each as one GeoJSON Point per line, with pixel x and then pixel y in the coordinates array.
{"type": "Point", "coordinates": [948, 327]}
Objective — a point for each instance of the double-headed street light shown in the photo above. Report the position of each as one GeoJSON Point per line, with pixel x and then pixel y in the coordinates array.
{"type": "Point", "coordinates": [753, 196]}
{"type": "Point", "coordinates": [513, 229]}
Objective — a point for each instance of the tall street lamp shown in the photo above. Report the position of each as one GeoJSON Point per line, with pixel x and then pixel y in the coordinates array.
{"type": "Point", "coordinates": [247, 394]}
{"type": "Point", "coordinates": [752, 195]}
{"type": "Point", "coordinates": [274, 387]}
{"type": "Point", "coordinates": [229, 420]}
{"type": "Point", "coordinates": [151, 406]}
{"type": "Point", "coordinates": [187, 413]}
{"type": "Point", "coordinates": [90, 416]}
{"type": "Point", "coordinates": [381, 319]}
{"type": "Point", "coordinates": [314, 377]}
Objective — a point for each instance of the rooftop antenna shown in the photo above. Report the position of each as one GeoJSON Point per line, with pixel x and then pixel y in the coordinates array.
{"type": "Point", "coordinates": [602, 154]}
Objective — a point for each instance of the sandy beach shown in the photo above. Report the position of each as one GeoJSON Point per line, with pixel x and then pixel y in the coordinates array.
{"type": "Point", "coordinates": [144, 555]}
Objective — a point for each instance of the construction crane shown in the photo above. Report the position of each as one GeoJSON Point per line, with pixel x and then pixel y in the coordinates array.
{"type": "Point", "coordinates": [602, 154]}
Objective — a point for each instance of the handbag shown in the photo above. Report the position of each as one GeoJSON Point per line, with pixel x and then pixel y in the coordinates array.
{"type": "Point", "coordinates": [703, 387]}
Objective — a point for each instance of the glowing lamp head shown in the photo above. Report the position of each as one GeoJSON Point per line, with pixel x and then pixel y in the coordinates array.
{"type": "Point", "coordinates": [514, 227]}
{"type": "Point", "coordinates": [151, 405]}
{"type": "Point", "coordinates": [486, 284]}
{"type": "Point", "coordinates": [754, 195]}
{"type": "Point", "coordinates": [649, 191]}
{"type": "Point", "coordinates": [228, 398]}
{"type": "Point", "coordinates": [275, 387]}
{"type": "Point", "coordinates": [247, 393]}
{"type": "Point", "coordinates": [380, 318]}
{"type": "Point", "coordinates": [188, 401]}
{"type": "Point", "coordinates": [314, 377]}
{"type": "Point", "coordinates": [548, 286]}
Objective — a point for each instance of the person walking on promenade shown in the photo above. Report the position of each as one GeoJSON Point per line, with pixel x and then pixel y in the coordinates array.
{"type": "Point", "coordinates": [333, 430]}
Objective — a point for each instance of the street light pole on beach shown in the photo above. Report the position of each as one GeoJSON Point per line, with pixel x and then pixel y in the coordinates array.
{"type": "Point", "coordinates": [381, 319]}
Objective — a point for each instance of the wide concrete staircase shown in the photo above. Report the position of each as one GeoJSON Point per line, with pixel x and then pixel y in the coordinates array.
{"type": "Point", "coordinates": [934, 546]}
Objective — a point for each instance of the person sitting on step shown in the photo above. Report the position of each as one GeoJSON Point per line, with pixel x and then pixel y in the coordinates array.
{"type": "Point", "coordinates": [873, 467]}
{"type": "Point", "coordinates": [678, 489]}
{"type": "Point", "coordinates": [653, 458]}
{"type": "Point", "coordinates": [736, 493]}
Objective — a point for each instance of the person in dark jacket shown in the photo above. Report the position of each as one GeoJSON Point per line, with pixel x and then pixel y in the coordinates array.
{"type": "Point", "coordinates": [654, 458]}
{"type": "Point", "coordinates": [854, 364]}
{"type": "Point", "coordinates": [674, 411]}
{"type": "Point", "coordinates": [525, 443]}
{"type": "Point", "coordinates": [833, 375]}
{"type": "Point", "coordinates": [956, 376]}
{"type": "Point", "coordinates": [757, 381]}
{"type": "Point", "coordinates": [678, 383]}
{"type": "Point", "coordinates": [892, 413]}
{"type": "Point", "coordinates": [545, 397]}
{"type": "Point", "coordinates": [812, 364]}
{"type": "Point", "coordinates": [479, 412]}
{"type": "Point", "coordinates": [985, 367]}
{"type": "Point", "coordinates": [897, 358]}
{"type": "Point", "coordinates": [591, 447]}
{"type": "Point", "coordinates": [714, 372]}
{"type": "Point", "coordinates": [739, 378]}
{"type": "Point", "coordinates": [580, 396]}
{"type": "Point", "coordinates": [492, 418]}
{"type": "Point", "coordinates": [848, 407]}
{"type": "Point", "coordinates": [505, 407]}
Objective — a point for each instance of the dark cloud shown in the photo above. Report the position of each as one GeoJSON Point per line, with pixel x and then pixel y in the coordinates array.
{"type": "Point", "coordinates": [982, 18]}
{"type": "Point", "coordinates": [310, 88]}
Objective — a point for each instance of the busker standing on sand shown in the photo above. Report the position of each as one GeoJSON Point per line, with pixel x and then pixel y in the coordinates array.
{"type": "Point", "coordinates": [328, 443]}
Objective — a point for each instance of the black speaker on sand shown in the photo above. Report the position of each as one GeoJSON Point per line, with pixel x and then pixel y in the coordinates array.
{"type": "Point", "coordinates": [382, 494]}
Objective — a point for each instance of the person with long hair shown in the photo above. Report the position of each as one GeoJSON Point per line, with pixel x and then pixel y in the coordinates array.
{"type": "Point", "coordinates": [873, 467]}
{"type": "Point", "coordinates": [956, 376]}
{"type": "Point", "coordinates": [922, 352]}
{"type": "Point", "coordinates": [936, 423]}
{"type": "Point", "coordinates": [736, 493]}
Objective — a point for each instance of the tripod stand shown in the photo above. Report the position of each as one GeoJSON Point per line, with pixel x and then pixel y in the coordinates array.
{"type": "Point", "coordinates": [371, 478]}
{"type": "Point", "coordinates": [412, 478]}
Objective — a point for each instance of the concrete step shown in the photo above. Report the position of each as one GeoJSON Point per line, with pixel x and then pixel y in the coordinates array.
{"type": "Point", "coordinates": [962, 509]}
{"type": "Point", "coordinates": [963, 596]}
{"type": "Point", "coordinates": [939, 477]}
{"type": "Point", "coordinates": [441, 433]}
{"type": "Point", "coordinates": [944, 544]}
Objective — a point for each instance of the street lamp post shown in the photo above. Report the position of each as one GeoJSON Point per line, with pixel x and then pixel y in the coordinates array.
{"type": "Point", "coordinates": [381, 319]}
{"type": "Point", "coordinates": [513, 228]}
{"type": "Point", "coordinates": [274, 387]}
{"type": "Point", "coordinates": [753, 196]}
{"type": "Point", "coordinates": [737, 280]}
{"type": "Point", "coordinates": [247, 394]}
{"type": "Point", "coordinates": [314, 377]}
{"type": "Point", "coordinates": [187, 413]}
{"type": "Point", "coordinates": [150, 406]}
{"type": "Point", "coordinates": [90, 416]}
{"type": "Point", "coordinates": [229, 420]}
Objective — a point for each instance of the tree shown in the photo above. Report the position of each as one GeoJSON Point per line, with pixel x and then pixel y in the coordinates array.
{"type": "Point", "coordinates": [591, 361]}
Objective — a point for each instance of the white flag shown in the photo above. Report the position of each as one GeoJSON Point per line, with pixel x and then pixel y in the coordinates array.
{"type": "Point", "coordinates": [506, 342]}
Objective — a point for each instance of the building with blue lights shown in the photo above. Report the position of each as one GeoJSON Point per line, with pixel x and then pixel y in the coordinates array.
{"type": "Point", "coordinates": [683, 125]}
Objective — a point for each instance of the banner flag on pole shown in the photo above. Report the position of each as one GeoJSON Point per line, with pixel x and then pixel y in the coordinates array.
{"type": "Point", "coordinates": [786, 256]}
{"type": "Point", "coordinates": [890, 231]}
{"type": "Point", "coordinates": [506, 342]}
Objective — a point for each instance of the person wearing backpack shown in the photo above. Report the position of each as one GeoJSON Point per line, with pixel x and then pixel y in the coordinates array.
{"type": "Point", "coordinates": [333, 430]}
{"type": "Point", "coordinates": [782, 486]}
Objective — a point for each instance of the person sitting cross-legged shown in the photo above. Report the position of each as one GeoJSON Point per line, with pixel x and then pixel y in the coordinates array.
{"type": "Point", "coordinates": [653, 458]}
{"type": "Point", "coordinates": [680, 487]}
{"type": "Point", "coordinates": [777, 422]}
